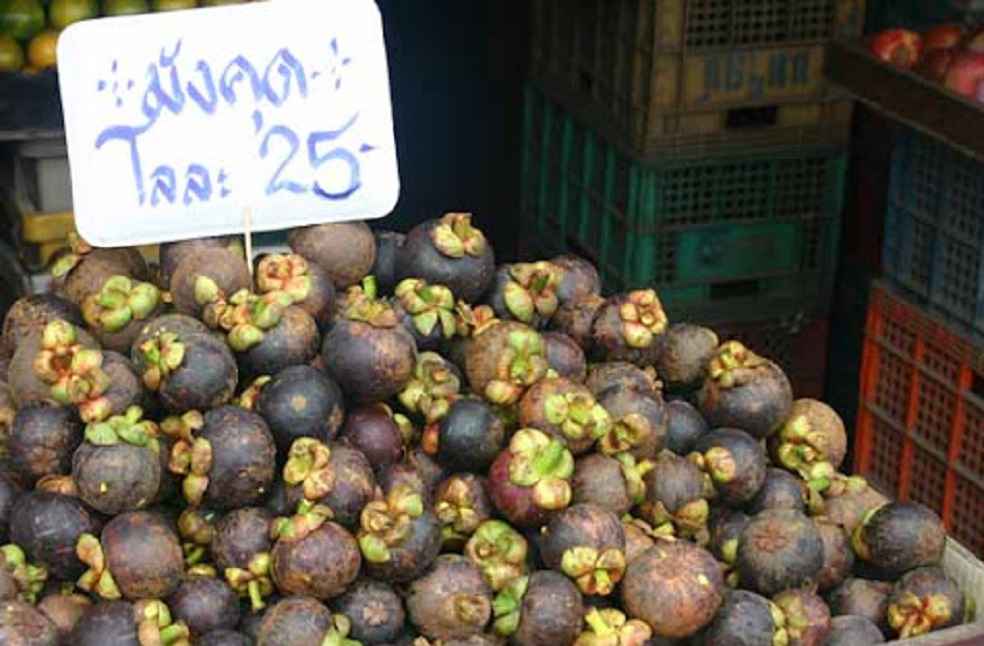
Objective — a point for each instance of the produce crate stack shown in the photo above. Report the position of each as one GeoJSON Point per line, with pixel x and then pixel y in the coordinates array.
{"type": "Point", "coordinates": [42, 202]}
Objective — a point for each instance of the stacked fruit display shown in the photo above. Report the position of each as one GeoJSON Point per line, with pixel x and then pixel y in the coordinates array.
{"type": "Point", "coordinates": [29, 28]}
{"type": "Point", "coordinates": [948, 54]}
{"type": "Point", "coordinates": [389, 439]}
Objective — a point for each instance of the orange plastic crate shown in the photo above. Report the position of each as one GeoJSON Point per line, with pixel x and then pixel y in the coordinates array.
{"type": "Point", "coordinates": [920, 427]}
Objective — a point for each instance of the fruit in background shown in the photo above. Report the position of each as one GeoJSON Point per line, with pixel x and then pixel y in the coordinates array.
{"type": "Point", "coordinates": [42, 50]}
{"type": "Point", "coordinates": [220, 3]}
{"type": "Point", "coordinates": [21, 19]}
{"type": "Point", "coordinates": [11, 56]}
{"type": "Point", "coordinates": [936, 64]}
{"type": "Point", "coordinates": [900, 47]}
{"type": "Point", "coordinates": [966, 75]}
{"type": "Point", "coordinates": [942, 37]}
{"type": "Point", "coordinates": [124, 7]}
{"type": "Point", "coordinates": [62, 13]}
{"type": "Point", "coordinates": [174, 5]}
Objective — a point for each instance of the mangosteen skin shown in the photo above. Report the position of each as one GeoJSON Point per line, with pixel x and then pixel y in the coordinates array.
{"type": "Point", "coordinates": [205, 604]}
{"type": "Point", "coordinates": [369, 363]}
{"type": "Point", "coordinates": [294, 621]}
{"type": "Point", "coordinates": [31, 313]}
{"type": "Point", "coordinates": [684, 426]}
{"type": "Point", "coordinates": [674, 482]}
{"type": "Point", "coordinates": [301, 402]}
{"type": "Point", "coordinates": [224, 638]}
{"type": "Point", "coordinates": [388, 245]}
{"type": "Point", "coordinates": [778, 550]}
{"type": "Point", "coordinates": [345, 250]}
{"type": "Point", "coordinates": [206, 378]}
{"type": "Point", "coordinates": [116, 478]}
{"type": "Point", "coordinates": [743, 620]}
{"type": "Point", "coordinates": [853, 630]}
{"type": "Point", "coordinates": [863, 597]}
{"type": "Point", "coordinates": [42, 440]}
{"type": "Point", "coordinates": [180, 324]}
{"type": "Point", "coordinates": [125, 388]}
{"type": "Point", "coordinates": [239, 536]}
{"type": "Point", "coordinates": [620, 402]}
{"type": "Point", "coordinates": [468, 277]}
{"type": "Point", "coordinates": [931, 580]}
{"type": "Point", "coordinates": [429, 602]}
{"type": "Point", "coordinates": [47, 526]}
{"type": "Point", "coordinates": [578, 279]}
{"type": "Point", "coordinates": [598, 479]}
{"type": "Point", "coordinates": [292, 341]}
{"type": "Point", "coordinates": [414, 555]}
{"type": "Point", "coordinates": [107, 622]}
{"type": "Point", "coordinates": [682, 363]}
{"type": "Point", "coordinates": [470, 436]}
{"type": "Point", "coordinates": [371, 429]}
{"type": "Point", "coordinates": [901, 536]}
{"type": "Point", "coordinates": [675, 587]}
{"type": "Point", "coordinates": [375, 610]}
{"type": "Point", "coordinates": [143, 554]}
{"type": "Point", "coordinates": [243, 458]}
{"type": "Point", "coordinates": [10, 491]}
{"type": "Point", "coordinates": [172, 254]}
{"type": "Point", "coordinates": [551, 613]}
{"type": "Point", "coordinates": [725, 526]}
{"type": "Point", "coordinates": [227, 268]}
{"type": "Point", "coordinates": [21, 624]}
{"type": "Point", "coordinates": [781, 490]}
{"type": "Point", "coordinates": [354, 486]}
{"type": "Point", "coordinates": [807, 617]}
{"type": "Point", "coordinates": [750, 463]}
{"type": "Point", "coordinates": [580, 525]}
{"type": "Point", "coordinates": [838, 557]}
{"type": "Point", "coordinates": [321, 565]}
{"type": "Point", "coordinates": [64, 611]}
{"type": "Point", "coordinates": [608, 342]}
{"type": "Point", "coordinates": [565, 356]}
{"type": "Point", "coordinates": [757, 407]}
{"type": "Point", "coordinates": [575, 319]}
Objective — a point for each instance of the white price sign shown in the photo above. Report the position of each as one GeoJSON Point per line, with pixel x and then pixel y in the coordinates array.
{"type": "Point", "coordinates": [180, 123]}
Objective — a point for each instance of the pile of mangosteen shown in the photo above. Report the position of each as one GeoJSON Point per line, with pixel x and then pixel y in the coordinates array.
{"type": "Point", "coordinates": [390, 439]}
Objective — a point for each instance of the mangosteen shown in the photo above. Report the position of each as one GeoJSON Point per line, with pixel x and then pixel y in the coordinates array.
{"type": "Point", "coordinates": [188, 371]}
{"type": "Point", "coordinates": [578, 278]}
{"type": "Point", "coordinates": [846, 501]}
{"type": "Point", "coordinates": [864, 597]}
{"type": "Point", "coordinates": [19, 578]}
{"type": "Point", "coordinates": [807, 617]}
{"type": "Point", "coordinates": [60, 363]}
{"type": "Point", "coordinates": [461, 504]}
{"type": "Point", "coordinates": [610, 375]}
{"type": "Point", "coordinates": [781, 490]}
{"type": "Point", "coordinates": [196, 528]}
{"type": "Point", "coordinates": [503, 360]}
{"type": "Point", "coordinates": [638, 422]}
{"type": "Point", "coordinates": [924, 599]}
{"type": "Point", "coordinates": [587, 543]}
{"type": "Point", "coordinates": [566, 410]}
{"type": "Point", "coordinates": [335, 475]}
{"type": "Point", "coordinates": [525, 292]}
{"type": "Point", "coordinates": [21, 624]}
{"type": "Point", "coordinates": [852, 630]}
{"type": "Point", "coordinates": [409, 476]}
{"type": "Point", "coordinates": [294, 621]}
{"type": "Point", "coordinates": [179, 324]}
{"type": "Point", "coordinates": [118, 467]}
{"type": "Point", "coordinates": [735, 462]}
{"type": "Point", "coordinates": [229, 462]}
{"type": "Point", "coordinates": [639, 537]}
{"type": "Point", "coordinates": [675, 587]}
{"type": "Point", "coordinates": [812, 442]}
{"type": "Point", "coordinates": [30, 314]}
{"type": "Point", "coordinates": [388, 245]}
{"type": "Point", "coordinates": [725, 527]}
{"type": "Point", "coordinates": [779, 549]}
{"type": "Point", "coordinates": [399, 536]}
{"type": "Point", "coordinates": [629, 327]}
{"type": "Point", "coordinates": [42, 440]}
{"type": "Point", "coordinates": [47, 526]}
{"type": "Point", "coordinates": [746, 619]}
{"type": "Point", "coordinates": [530, 480]}
{"type": "Point", "coordinates": [172, 254]}
{"type": "Point", "coordinates": [205, 604]}
{"type": "Point", "coordinates": [900, 536]}
{"type": "Point", "coordinates": [613, 482]}
{"type": "Point", "coordinates": [499, 551]}
{"type": "Point", "coordinates": [367, 351]}
{"type": "Point", "coordinates": [449, 251]}
{"type": "Point", "coordinates": [427, 311]}
{"type": "Point", "coordinates": [10, 491]}
{"type": "Point", "coordinates": [313, 556]}
{"type": "Point", "coordinates": [544, 608]}
{"type": "Point", "coordinates": [433, 388]}
{"type": "Point", "coordinates": [207, 272]}
{"type": "Point", "coordinates": [676, 497]}
{"type": "Point", "coordinates": [81, 272]}
{"type": "Point", "coordinates": [451, 600]}
{"type": "Point", "coordinates": [565, 356]}
{"type": "Point", "coordinates": [115, 314]}
{"type": "Point", "coordinates": [346, 251]}
{"type": "Point", "coordinates": [687, 349]}
{"type": "Point", "coordinates": [374, 609]}
{"type": "Point", "coordinates": [746, 391]}
{"type": "Point", "coordinates": [375, 431]}
{"type": "Point", "coordinates": [470, 321]}
{"type": "Point", "coordinates": [241, 549]}
{"type": "Point", "coordinates": [223, 638]}
{"type": "Point", "coordinates": [64, 609]}
{"type": "Point", "coordinates": [576, 317]}
{"type": "Point", "coordinates": [308, 285]}
{"type": "Point", "coordinates": [610, 626]}
{"type": "Point", "coordinates": [301, 402]}
{"type": "Point", "coordinates": [838, 558]}
{"type": "Point", "coordinates": [684, 426]}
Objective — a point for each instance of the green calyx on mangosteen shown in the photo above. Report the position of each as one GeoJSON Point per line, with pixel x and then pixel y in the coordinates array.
{"type": "Point", "coordinates": [639, 422]}
{"type": "Point", "coordinates": [499, 551]}
{"type": "Point", "coordinates": [196, 528]}
{"type": "Point", "coordinates": [387, 522]}
{"type": "Point", "coordinates": [305, 283]}
{"type": "Point", "coordinates": [73, 372]}
{"type": "Point", "coordinates": [84, 269]}
{"type": "Point", "coordinates": [309, 467]}
{"type": "Point", "coordinates": [566, 410]}
{"type": "Point", "coordinates": [504, 360]}
{"type": "Point", "coordinates": [31, 313]}
{"type": "Point", "coordinates": [432, 389]}
{"type": "Point", "coordinates": [812, 442]}
{"type": "Point", "coordinates": [114, 313]}
{"type": "Point", "coordinates": [461, 504]}
{"type": "Point", "coordinates": [531, 478]}
{"type": "Point", "coordinates": [428, 311]}
{"type": "Point", "coordinates": [734, 461]}
{"type": "Point", "coordinates": [640, 536]}
{"type": "Point", "coordinates": [610, 627]}
{"type": "Point", "coordinates": [249, 398]}
{"type": "Point", "coordinates": [807, 617]}
{"type": "Point", "coordinates": [208, 275]}
{"type": "Point", "coordinates": [244, 316]}
{"type": "Point", "coordinates": [543, 608]}
{"type": "Point", "coordinates": [525, 292]}
{"type": "Point", "coordinates": [28, 578]}
{"type": "Point", "coordinates": [587, 543]}
{"type": "Point", "coordinates": [449, 251]}
{"type": "Point", "coordinates": [628, 327]}
{"type": "Point", "coordinates": [924, 599]}
{"type": "Point", "coordinates": [899, 536]}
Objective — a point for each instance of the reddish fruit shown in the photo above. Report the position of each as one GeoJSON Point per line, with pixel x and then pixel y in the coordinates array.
{"type": "Point", "coordinates": [900, 47]}
{"type": "Point", "coordinates": [942, 37]}
{"type": "Point", "coordinates": [936, 64]}
{"type": "Point", "coordinates": [965, 75]}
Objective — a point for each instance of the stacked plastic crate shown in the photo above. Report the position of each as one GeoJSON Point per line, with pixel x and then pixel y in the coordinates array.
{"type": "Point", "coordinates": [693, 146]}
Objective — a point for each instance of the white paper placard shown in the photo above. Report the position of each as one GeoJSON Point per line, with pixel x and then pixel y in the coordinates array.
{"type": "Point", "coordinates": [178, 122]}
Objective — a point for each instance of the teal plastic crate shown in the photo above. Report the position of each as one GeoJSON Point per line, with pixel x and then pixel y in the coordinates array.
{"type": "Point", "coordinates": [729, 238]}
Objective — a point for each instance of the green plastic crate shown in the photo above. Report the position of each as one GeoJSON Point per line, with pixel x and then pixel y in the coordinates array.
{"type": "Point", "coordinates": [730, 238]}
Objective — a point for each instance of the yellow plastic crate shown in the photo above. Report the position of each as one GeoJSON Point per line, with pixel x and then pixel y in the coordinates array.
{"type": "Point", "coordinates": [37, 228]}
